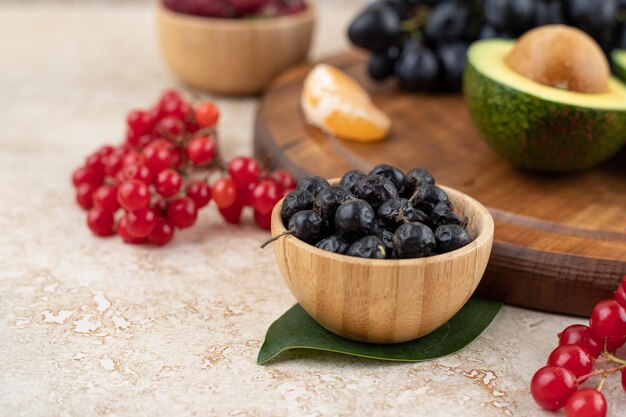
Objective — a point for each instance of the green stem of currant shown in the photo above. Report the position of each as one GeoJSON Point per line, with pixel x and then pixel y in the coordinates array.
{"type": "Point", "coordinates": [601, 385]}
{"type": "Point", "coordinates": [615, 359]}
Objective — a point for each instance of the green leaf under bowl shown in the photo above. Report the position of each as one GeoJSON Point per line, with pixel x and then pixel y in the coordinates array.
{"type": "Point", "coordinates": [297, 330]}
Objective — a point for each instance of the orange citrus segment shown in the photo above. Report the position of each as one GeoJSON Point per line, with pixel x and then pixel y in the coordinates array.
{"type": "Point", "coordinates": [337, 104]}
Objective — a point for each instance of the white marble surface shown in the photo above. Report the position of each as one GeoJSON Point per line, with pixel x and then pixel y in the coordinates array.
{"type": "Point", "coordinates": [92, 327]}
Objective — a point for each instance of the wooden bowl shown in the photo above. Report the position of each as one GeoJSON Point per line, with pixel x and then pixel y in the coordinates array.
{"type": "Point", "coordinates": [385, 301]}
{"type": "Point", "coordinates": [233, 56]}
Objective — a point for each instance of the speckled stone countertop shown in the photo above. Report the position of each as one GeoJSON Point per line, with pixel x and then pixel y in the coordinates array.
{"type": "Point", "coordinates": [93, 327]}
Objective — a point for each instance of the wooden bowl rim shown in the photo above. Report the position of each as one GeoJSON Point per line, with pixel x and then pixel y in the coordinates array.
{"type": "Point", "coordinates": [485, 235]}
{"type": "Point", "coordinates": [232, 24]}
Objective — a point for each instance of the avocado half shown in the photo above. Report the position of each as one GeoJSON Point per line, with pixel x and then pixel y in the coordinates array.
{"type": "Point", "coordinates": [539, 127]}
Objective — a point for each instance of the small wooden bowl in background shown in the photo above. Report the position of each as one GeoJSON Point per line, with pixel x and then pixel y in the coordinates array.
{"type": "Point", "coordinates": [233, 56]}
{"type": "Point", "coordinates": [385, 301]}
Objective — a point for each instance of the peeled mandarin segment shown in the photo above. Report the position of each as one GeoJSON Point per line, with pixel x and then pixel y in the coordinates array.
{"type": "Point", "coordinates": [337, 104]}
{"type": "Point", "coordinates": [355, 128]}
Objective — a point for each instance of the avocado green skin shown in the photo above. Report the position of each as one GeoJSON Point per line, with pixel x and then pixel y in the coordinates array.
{"type": "Point", "coordinates": [617, 66]}
{"type": "Point", "coordinates": [537, 134]}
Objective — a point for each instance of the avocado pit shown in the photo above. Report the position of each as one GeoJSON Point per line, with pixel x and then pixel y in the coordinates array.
{"type": "Point", "coordinates": [562, 57]}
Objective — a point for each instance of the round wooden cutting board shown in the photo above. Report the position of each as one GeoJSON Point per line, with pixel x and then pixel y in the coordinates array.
{"type": "Point", "coordinates": [560, 241]}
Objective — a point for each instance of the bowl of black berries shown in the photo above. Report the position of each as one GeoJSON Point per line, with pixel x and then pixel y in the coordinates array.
{"type": "Point", "coordinates": [381, 257]}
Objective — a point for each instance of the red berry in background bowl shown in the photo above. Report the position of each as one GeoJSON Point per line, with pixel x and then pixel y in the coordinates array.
{"type": "Point", "coordinates": [581, 335]}
{"type": "Point", "coordinates": [167, 183]}
{"type": "Point", "coordinates": [105, 198]}
{"type": "Point", "coordinates": [224, 192]}
{"type": "Point", "coordinates": [101, 222]}
{"type": "Point", "coordinates": [587, 402]}
{"type": "Point", "coordinates": [573, 358]}
{"type": "Point", "coordinates": [162, 233]}
{"type": "Point", "coordinates": [552, 386]}
{"type": "Point", "coordinates": [200, 192]}
{"type": "Point", "coordinates": [84, 195]}
{"type": "Point", "coordinates": [207, 114]}
{"type": "Point", "coordinates": [182, 212]}
{"type": "Point", "coordinates": [140, 223]}
{"type": "Point", "coordinates": [200, 150]}
{"type": "Point", "coordinates": [133, 195]}
{"type": "Point", "coordinates": [608, 319]}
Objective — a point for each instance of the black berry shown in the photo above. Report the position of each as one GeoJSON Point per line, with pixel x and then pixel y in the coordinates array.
{"type": "Point", "coordinates": [333, 244]}
{"type": "Point", "coordinates": [444, 213]}
{"type": "Point", "coordinates": [393, 174]}
{"type": "Point", "coordinates": [368, 247]}
{"type": "Point", "coordinates": [312, 184]}
{"type": "Point", "coordinates": [354, 219]}
{"type": "Point", "coordinates": [350, 178]}
{"type": "Point", "coordinates": [295, 201]}
{"type": "Point", "coordinates": [375, 189]}
{"type": "Point", "coordinates": [413, 240]}
{"type": "Point", "coordinates": [327, 201]}
{"type": "Point", "coordinates": [451, 237]}
{"type": "Point", "coordinates": [307, 226]}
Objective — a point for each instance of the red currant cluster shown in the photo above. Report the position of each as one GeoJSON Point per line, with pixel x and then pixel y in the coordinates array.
{"type": "Point", "coordinates": [157, 180]}
{"type": "Point", "coordinates": [583, 352]}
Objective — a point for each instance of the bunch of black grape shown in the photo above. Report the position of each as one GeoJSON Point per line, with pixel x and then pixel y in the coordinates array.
{"type": "Point", "coordinates": [424, 42]}
{"type": "Point", "coordinates": [384, 214]}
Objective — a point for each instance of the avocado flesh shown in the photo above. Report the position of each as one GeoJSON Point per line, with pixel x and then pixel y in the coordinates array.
{"type": "Point", "coordinates": [539, 127]}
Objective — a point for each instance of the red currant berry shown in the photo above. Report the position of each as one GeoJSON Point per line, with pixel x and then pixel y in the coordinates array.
{"type": "Point", "coordinates": [84, 195]}
{"type": "Point", "coordinates": [176, 108]}
{"type": "Point", "coordinates": [95, 164]}
{"type": "Point", "coordinates": [133, 195]}
{"type": "Point", "coordinates": [182, 212]}
{"type": "Point", "coordinates": [105, 198]}
{"type": "Point", "coordinates": [608, 319]}
{"type": "Point", "coordinates": [122, 230]}
{"type": "Point", "coordinates": [140, 122]}
{"type": "Point", "coordinates": [284, 178]}
{"type": "Point", "coordinates": [84, 175]}
{"type": "Point", "coordinates": [207, 114]}
{"type": "Point", "coordinates": [613, 344]}
{"type": "Point", "coordinates": [232, 213]}
{"type": "Point", "coordinates": [135, 172]}
{"type": "Point", "coordinates": [170, 126]}
{"type": "Point", "coordinates": [200, 192]}
{"type": "Point", "coordinates": [264, 221]}
{"type": "Point", "coordinates": [572, 357]}
{"type": "Point", "coordinates": [200, 150]}
{"type": "Point", "coordinates": [552, 386]}
{"type": "Point", "coordinates": [133, 158]}
{"type": "Point", "coordinates": [167, 183]}
{"type": "Point", "coordinates": [265, 195]}
{"type": "Point", "coordinates": [101, 222]}
{"type": "Point", "coordinates": [191, 126]}
{"type": "Point", "coordinates": [137, 140]}
{"type": "Point", "coordinates": [162, 233]}
{"type": "Point", "coordinates": [105, 150]}
{"type": "Point", "coordinates": [244, 171]}
{"type": "Point", "coordinates": [620, 295]}
{"type": "Point", "coordinates": [112, 164]}
{"type": "Point", "coordinates": [169, 95]}
{"type": "Point", "coordinates": [158, 157]}
{"type": "Point", "coordinates": [177, 157]}
{"type": "Point", "coordinates": [224, 192]}
{"type": "Point", "coordinates": [581, 335]}
{"type": "Point", "coordinates": [587, 402]}
{"type": "Point", "coordinates": [141, 222]}
{"type": "Point", "coordinates": [160, 208]}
